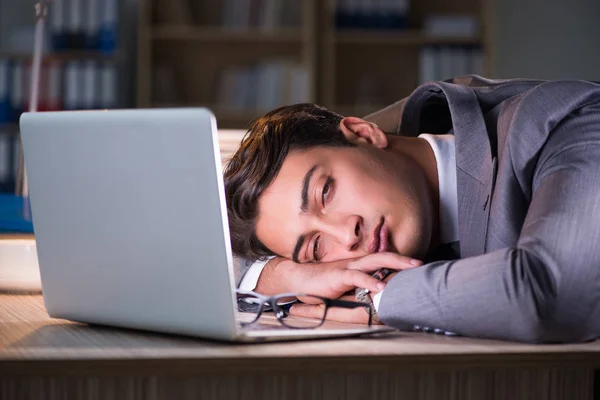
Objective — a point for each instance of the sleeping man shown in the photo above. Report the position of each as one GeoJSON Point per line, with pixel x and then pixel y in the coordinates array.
{"type": "Point", "coordinates": [481, 197]}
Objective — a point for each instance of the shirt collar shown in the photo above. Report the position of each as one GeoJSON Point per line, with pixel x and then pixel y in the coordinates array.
{"type": "Point", "coordinates": [445, 157]}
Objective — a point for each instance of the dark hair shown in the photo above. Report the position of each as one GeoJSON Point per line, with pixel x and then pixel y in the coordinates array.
{"type": "Point", "coordinates": [259, 158]}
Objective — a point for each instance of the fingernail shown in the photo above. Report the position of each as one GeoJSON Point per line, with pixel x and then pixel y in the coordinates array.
{"type": "Point", "coordinates": [381, 286]}
{"type": "Point", "coordinates": [416, 263]}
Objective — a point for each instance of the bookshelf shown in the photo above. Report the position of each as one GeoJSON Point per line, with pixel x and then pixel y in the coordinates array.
{"type": "Point", "coordinates": [218, 35]}
{"type": "Point", "coordinates": [411, 37]}
{"type": "Point", "coordinates": [83, 66]}
{"type": "Point", "coordinates": [362, 70]}
{"type": "Point", "coordinates": [221, 54]}
{"type": "Point", "coordinates": [187, 48]}
{"type": "Point", "coordinates": [70, 55]}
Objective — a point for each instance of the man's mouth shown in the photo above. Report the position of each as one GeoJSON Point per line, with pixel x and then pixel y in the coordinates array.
{"type": "Point", "coordinates": [379, 241]}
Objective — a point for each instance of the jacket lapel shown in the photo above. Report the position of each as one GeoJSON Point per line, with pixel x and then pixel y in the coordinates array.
{"type": "Point", "coordinates": [475, 166]}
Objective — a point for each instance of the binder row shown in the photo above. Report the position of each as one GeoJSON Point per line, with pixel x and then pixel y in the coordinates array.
{"type": "Point", "coordinates": [442, 62]}
{"type": "Point", "coordinates": [84, 25]}
{"type": "Point", "coordinates": [265, 15]}
{"type": "Point", "coordinates": [72, 85]}
{"type": "Point", "coordinates": [371, 14]}
{"type": "Point", "coordinates": [263, 87]}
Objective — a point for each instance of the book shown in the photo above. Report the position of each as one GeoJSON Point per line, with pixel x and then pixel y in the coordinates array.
{"type": "Point", "coordinates": [263, 86]}
{"type": "Point", "coordinates": [72, 100]}
{"type": "Point", "coordinates": [463, 26]}
{"type": "Point", "coordinates": [89, 95]}
{"type": "Point", "coordinates": [16, 91]}
{"type": "Point", "coordinates": [54, 98]}
{"type": "Point", "coordinates": [427, 64]}
{"type": "Point", "coordinates": [5, 116]}
{"type": "Point", "coordinates": [108, 86]}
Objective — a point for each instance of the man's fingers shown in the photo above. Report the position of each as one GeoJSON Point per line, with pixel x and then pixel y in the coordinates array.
{"type": "Point", "coordinates": [355, 278]}
{"type": "Point", "coordinates": [309, 300]}
{"type": "Point", "coordinates": [394, 261]}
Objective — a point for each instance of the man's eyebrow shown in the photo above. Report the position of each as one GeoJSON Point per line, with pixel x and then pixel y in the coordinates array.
{"type": "Point", "coordinates": [296, 252]}
{"type": "Point", "coordinates": [304, 208]}
{"type": "Point", "coordinates": [305, 184]}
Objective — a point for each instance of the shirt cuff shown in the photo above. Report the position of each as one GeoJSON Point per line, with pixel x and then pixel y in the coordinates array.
{"type": "Point", "coordinates": [376, 300]}
{"type": "Point", "coordinates": [250, 279]}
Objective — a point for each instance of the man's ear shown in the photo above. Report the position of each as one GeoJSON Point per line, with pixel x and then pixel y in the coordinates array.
{"type": "Point", "coordinates": [357, 130]}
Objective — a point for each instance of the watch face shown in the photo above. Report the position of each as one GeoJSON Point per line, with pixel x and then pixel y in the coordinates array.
{"type": "Point", "coordinates": [362, 295]}
{"type": "Point", "coordinates": [381, 273]}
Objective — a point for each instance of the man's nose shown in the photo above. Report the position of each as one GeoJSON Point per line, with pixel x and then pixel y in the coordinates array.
{"type": "Point", "coordinates": [347, 231]}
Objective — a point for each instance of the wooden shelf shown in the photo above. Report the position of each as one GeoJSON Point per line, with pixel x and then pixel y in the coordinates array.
{"type": "Point", "coordinates": [67, 55]}
{"type": "Point", "coordinates": [407, 38]}
{"type": "Point", "coordinates": [220, 34]}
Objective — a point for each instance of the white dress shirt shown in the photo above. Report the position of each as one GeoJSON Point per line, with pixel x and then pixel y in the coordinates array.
{"type": "Point", "coordinates": [443, 150]}
{"type": "Point", "coordinates": [250, 279]}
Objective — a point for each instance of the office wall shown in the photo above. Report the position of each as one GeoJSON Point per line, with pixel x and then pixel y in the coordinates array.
{"type": "Point", "coordinates": [548, 39]}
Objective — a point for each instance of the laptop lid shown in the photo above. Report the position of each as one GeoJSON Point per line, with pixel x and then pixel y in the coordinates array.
{"type": "Point", "coordinates": [130, 220]}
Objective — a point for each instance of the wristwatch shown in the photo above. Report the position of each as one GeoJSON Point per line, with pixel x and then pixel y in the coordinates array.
{"type": "Point", "coordinates": [362, 295]}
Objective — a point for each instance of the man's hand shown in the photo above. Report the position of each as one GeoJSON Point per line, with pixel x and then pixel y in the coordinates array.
{"type": "Point", "coordinates": [332, 279]}
{"type": "Point", "coordinates": [355, 316]}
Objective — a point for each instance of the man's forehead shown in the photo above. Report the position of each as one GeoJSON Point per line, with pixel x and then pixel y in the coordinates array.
{"type": "Point", "coordinates": [285, 184]}
{"type": "Point", "coordinates": [295, 167]}
{"type": "Point", "coordinates": [304, 158]}
{"type": "Point", "coordinates": [279, 219]}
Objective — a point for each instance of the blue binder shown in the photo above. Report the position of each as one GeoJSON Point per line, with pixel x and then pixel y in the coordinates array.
{"type": "Point", "coordinates": [15, 215]}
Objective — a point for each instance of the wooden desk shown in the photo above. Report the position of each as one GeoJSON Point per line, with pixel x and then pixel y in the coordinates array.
{"type": "Point", "coordinates": [42, 358]}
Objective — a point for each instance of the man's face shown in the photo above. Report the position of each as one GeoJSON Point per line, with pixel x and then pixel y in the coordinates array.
{"type": "Point", "coordinates": [328, 204]}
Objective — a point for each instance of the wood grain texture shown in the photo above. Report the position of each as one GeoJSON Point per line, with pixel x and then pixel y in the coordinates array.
{"type": "Point", "coordinates": [546, 384]}
{"type": "Point", "coordinates": [44, 358]}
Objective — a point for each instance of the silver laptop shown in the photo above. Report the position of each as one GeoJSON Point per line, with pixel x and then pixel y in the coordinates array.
{"type": "Point", "coordinates": [131, 225]}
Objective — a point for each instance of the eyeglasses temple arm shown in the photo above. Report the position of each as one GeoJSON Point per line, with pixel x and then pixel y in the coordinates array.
{"type": "Point", "coordinates": [351, 304]}
{"type": "Point", "coordinates": [346, 303]}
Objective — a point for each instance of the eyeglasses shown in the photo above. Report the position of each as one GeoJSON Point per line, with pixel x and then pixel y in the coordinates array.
{"type": "Point", "coordinates": [252, 302]}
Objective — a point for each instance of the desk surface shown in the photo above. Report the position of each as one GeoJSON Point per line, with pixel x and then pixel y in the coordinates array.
{"type": "Point", "coordinates": [28, 334]}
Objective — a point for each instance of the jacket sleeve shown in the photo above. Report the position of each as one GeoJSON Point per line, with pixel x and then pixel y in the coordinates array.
{"type": "Point", "coordinates": [544, 289]}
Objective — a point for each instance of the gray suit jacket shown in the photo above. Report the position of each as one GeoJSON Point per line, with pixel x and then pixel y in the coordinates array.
{"type": "Point", "coordinates": [528, 176]}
